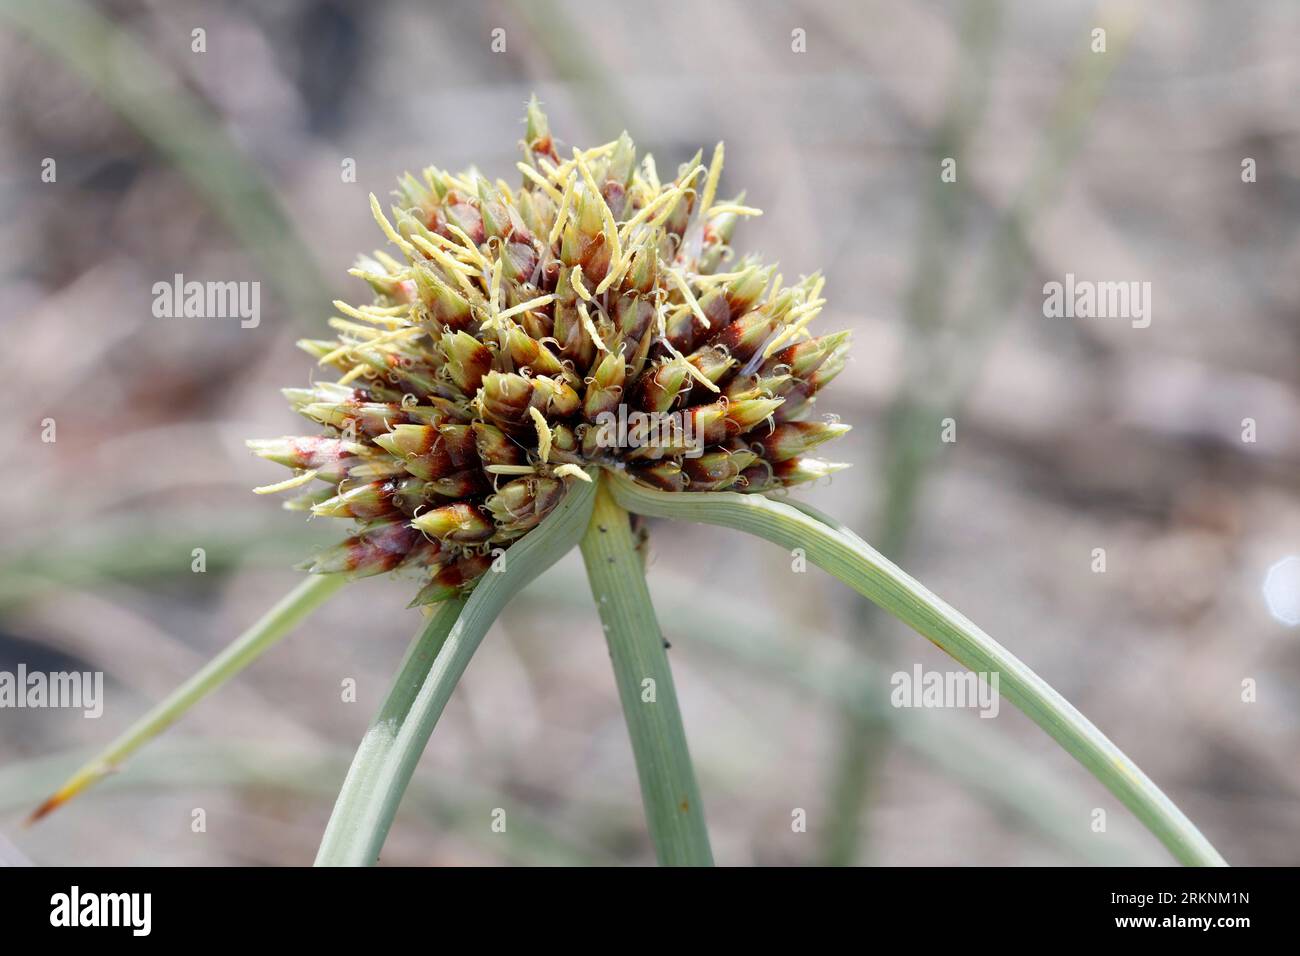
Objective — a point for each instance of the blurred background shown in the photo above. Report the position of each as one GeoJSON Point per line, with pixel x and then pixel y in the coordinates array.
{"type": "Point", "coordinates": [1071, 434]}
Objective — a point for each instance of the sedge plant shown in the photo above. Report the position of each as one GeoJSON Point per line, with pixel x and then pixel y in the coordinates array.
{"type": "Point", "coordinates": [542, 365]}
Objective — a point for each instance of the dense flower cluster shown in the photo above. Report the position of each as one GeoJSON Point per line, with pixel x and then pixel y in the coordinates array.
{"type": "Point", "coordinates": [518, 324]}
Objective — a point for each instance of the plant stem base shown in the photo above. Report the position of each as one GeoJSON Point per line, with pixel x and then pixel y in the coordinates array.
{"type": "Point", "coordinates": [669, 792]}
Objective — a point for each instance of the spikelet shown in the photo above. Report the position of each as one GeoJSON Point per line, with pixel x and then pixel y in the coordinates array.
{"type": "Point", "coordinates": [516, 326]}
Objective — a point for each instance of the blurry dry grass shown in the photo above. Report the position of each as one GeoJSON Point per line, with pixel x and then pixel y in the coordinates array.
{"type": "Point", "coordinates": [1072, 434]}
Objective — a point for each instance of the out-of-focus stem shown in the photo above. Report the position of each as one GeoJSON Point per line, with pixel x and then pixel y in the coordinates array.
{"type": "Point", "coordinates": [935, 380]}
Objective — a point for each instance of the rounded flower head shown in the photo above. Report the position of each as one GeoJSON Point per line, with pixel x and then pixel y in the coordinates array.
{"type": "Point", "coordinates": [592, 315]}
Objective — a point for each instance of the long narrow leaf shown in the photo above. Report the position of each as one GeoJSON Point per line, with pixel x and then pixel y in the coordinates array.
{"type": "Point", "coordinates": [184, 764]}
{"type": "Point", "coordinates": [673, 809]}
{"type": "Point", "coordinates": [360, 800]}
{"type": "Point", "coordinates": [998, 770]}
{"type": "Point", "coordinates": [845, 555]}
{"type": "Point", "coordinates": [252, 644]}
{"type": "Point", "coordinates": [357, 828]}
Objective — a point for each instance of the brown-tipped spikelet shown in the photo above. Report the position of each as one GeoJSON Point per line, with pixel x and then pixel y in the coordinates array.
{"type": "Point", "coordinates": [583, 317]}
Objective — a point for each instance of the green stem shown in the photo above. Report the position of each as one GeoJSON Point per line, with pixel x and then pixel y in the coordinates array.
{"type": "Point", "coordinates": [235, 766]}
{"type": "Point", "coordinates": [865, 743]}
{"type": "Point", "coordinates": [845, 555]}
{"type": "Point", "coordinates": [361, 803]}
{"type": "Point", "coordinates": [994, 768]}
{"type": "Point", "coordinates": [382, 768]}
{"type": "Point", "coordinates": [248, 647]}
{"type": "Point", "coordinates": [669, 792]}
{"type": "Point", "coordinates": [935, 379]}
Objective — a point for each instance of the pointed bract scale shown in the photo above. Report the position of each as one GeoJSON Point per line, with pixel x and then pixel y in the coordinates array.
{"type": "Point", "coordinates": [685, 330]}
{"type": "Point", "coordinates": [437, 181]}
{"type": "Point", "coordinates": [697, 428]}
{"type": "Point", "coordinates": [430, 452]}
{"type": "Point", "coordinates": [459, 522]}
{"type": "Point", "coordinates": [798, 406]}
{"type": "Point", "coordinates": [588, 218]}
{"type": "Point", "coordinates": [758, 386]}
{"type": "Point", "coordinates": [299, 398]}
{"type": "Point", "coordinates": [521, 504]}
{"type": "Point", "coordinates": [495, 215]}
{"type": "Point", "coordinates": [415, 375]}
{"type": "Point", "coordinates": [622, 161]}
{"type": "Point", "coordinates": [794, 438]}
{"type": "Point", "coordinates": [537, 135]}
{"type": "Point", "coordinates": [504, 399]}
{"type": "Point", "coordinates": [717, 235]}
{"type": "Point", "coordinates": [378, 548]}
{"type": "Point", "coordinates": [604, 387]}
{"type": "Point", "coordinates": [518, 261]}
{"type": "Point", "coordinates": [585, 243]}
{"type": "Point", "coordinates": [554, 398]}
{"type": "Point", "coordinates": [452, 579]}
{"type": "Point", "coordinates": [826, 372]}
{"type": "Point", "coordinates": [464, 215]}
{"type": "Point", "coordinates": [617, 174]}
{"type": "Point", "coordinates": [801, 395]}
{"type": "Point", "coordinates": [537, 210]}
{"type": "Point", "coordinates": [747, 414]}
{"type": "Point", "coordinates": [664, 475]}
{"type": "Point", "coordinates": [527, 353]}
{"type": "Point", "coordinates": [370, 419]}
{"type": "Point", "coordinates": [308, 500]}
{"type": "Point", "coordinates": [330, 458]}
{"type": "Point", "coordinates": [538, 324]}
{"type": "Point", "coordinates": [495, 448]}
{"type": "Point", "coordinates": [564, 443]}
{"type": "Point", "coordinates": [680, 216]}
{"type": "Point", "coordinates": [804, 358]}
{"type": "Point", "coordinates": [374, 499]}
{"type": "Point", "coordinates": [713, 362]}
{"type": "Point", "coordinates": [572, 337]}
{"type": "Point", "coordinates": [718, 469]}
{"type": "Point", "coordinates": [660, 385]}
{"type": "Point", "coordinates": [758, 478]}
{"type": "Point", "coordinates": [717, 309]}
{"type": "Point", "coordinates": [408, 441]}
{"type": "Point", "coordinates": [448, 309]}
{"type": "Point", "coordinates": [468, 360]}
{"type": "Point", "coordinates": [643, 270]}
{"type": "Point", "coordinates": [373, 466]}
{"type": "Point", "coordinates": [744, 290]}
{"type": "Point", "coordinates": [468, 483]}
{"type": "Point", "coordinates": [744, 337]}
{"type": "Point", "coordinates": [796, 471]}
{"type": "Point", "coordinates": [636, 362]}
{"type": "Point", "coordinates": [634, 317]}
{"type": "Point", "coordinates": [417, 196]}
